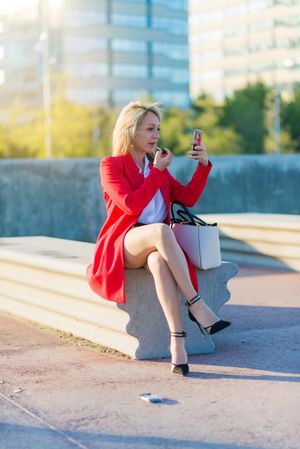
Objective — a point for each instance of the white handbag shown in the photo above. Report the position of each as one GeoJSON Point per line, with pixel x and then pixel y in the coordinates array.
{"type": "Point", "coordinates": [200, 240]}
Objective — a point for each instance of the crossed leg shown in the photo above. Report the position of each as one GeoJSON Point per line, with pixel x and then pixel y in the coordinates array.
{"type": "Point", "coordinates": [154, 246]}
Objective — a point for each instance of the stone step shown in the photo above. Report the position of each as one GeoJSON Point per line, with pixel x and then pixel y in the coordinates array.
{"type": "Point", "coordinates": [271, 240]}
{"type": "Point", "coordinates": [43, 279]}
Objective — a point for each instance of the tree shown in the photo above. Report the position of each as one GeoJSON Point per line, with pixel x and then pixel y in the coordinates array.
{"type": "Point", "coordinates": [106, 122]}
{"type": "Point", "coordinates": [21, 133]}
{"type": "Point", "coordinates": [246, 112]}
{"type": "Point", "coordinates": [71, 129]}
{"type": "Point", "coordinates": [291, 117]}
{"type": "Point", "coordinates": [285, 140]}
{"type": "Point", "coordinates": [220, 140]}
{"type": "Point", "coordinates": [176, 130]}
{"type": "Point", "coordinates": [178, 125]}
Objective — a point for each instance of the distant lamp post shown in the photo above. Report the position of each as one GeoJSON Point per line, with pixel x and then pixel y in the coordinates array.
{"type": "Point", "coordinates": [44, 39]}
{"type": "Point", "coordinates": [45, 5]}
{"type": "Point", "coordinates": [278, 89]}
{"type": "Point", "coordinates": [277, 100]}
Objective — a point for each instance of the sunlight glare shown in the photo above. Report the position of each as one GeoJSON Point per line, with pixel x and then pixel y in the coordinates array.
{"type": "Point", "coordinates": [55, 3]}
{"type": "Point", "coordinates": [13, 5]}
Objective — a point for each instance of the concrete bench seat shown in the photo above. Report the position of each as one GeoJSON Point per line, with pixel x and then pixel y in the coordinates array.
{"type": "Point", "coordinates": [266, 240]}
{"type": "Point", "coordinates": [43, 279]}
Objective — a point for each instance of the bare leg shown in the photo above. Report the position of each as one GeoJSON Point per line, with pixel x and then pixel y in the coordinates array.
{"type": "Point", "coordinates": [141, 241]}
{"type": "Point", "coordinates": [167, 293]}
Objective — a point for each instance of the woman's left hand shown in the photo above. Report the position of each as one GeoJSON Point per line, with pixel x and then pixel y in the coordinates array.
{"type": "Point", "coordinates": [199, 153]}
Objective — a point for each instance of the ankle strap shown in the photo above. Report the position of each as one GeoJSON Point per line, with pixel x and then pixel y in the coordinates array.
{"type": "Point", "coordinates": [192, 301]}
{"type": "Point", "coordinates": [178, 334]}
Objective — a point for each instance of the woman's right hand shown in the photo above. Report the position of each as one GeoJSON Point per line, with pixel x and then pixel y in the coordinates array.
{"type": "Point", "coordinates": [161, 161]}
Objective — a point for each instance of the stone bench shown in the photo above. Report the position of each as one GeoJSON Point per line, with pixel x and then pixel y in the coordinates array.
{"type": "Point", "coordinates": [43, 279]}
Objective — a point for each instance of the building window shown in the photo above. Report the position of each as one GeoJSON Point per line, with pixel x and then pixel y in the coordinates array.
{"type": "Point", "coordinates": [214, 15]}
{"type": "Point", "coordinates": [261, 67]}
{"type": "Point", "coordinates": [172, 26]}
{"type": "Point", "coordinates": [81, 19]}
{"type": "Point", "coordinates": [255, 47]}
{"type": "Point", "coordinates": [1, 52]}
{"type": "Point", "coordinates": [128, 21]}
{"type": "Point", "coordinates": [123, 96]}
{"type": "Point", "coordinates": [286, 2]}
{"type": "Point", "coordinates": [18, 56]}
{"type": "Point", "coordinates": [129, 45]}
{"type": "Point", "coordinates": [87, 70]}
{"type": "Point", "coordinates": [169, 98]}
{"type": "Point", "coordinates": [179, 5]}
{"type": "Point", "coordinates": [261, 26]}
{"type": "Point", "coordinates": [235, 31]}
{"type": "Point", "coordinates": [259, 5]}
{"type": "Point", "coordinates": [207, 37]}
{"type": "Point", "coordinates": [235, 10]}
{"type": "Point", "coordinates": [235, 51]}
{"type": "Point", "coordinates": [174, 75]}
{"type": "Point", "coordinates": [177, 52]}
{"type": "Point", "coordinates": [129, 71]}
{"type": "Point", "coordinates": [87, 96]}
{"type": "Point", "coordinates": [82, 44]}
{"type": "Point", "coordinates": [208, 75]}
{"type": "Point", "coordinates": [235, 72]}
{"type": "Point", "coordinates": [289, 21]}
{"type": "Point", "coordinates": [212, 55]}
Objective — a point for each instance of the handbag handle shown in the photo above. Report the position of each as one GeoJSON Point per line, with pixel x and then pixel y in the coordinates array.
{"type": "Point", "coordinates": [186, 217]}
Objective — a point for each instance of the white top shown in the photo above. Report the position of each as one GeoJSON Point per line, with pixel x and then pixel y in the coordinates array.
{"type": "Point", "coordinates": [155, 211]}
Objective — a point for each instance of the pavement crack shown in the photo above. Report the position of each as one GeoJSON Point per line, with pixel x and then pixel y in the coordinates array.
{"type": "Point", "coordinates": [41, 420]}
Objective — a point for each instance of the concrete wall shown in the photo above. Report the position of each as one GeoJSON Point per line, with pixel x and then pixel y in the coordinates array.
{"type": "Point", "coordinates": [62, 198]}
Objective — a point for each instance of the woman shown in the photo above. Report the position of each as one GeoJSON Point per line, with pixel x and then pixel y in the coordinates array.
{"type": "Point", "coordinates": [138, 189]}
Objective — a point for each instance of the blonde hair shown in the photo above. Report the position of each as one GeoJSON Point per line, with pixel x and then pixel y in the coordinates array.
{"type": "Point", "coordinates": [128, 123]}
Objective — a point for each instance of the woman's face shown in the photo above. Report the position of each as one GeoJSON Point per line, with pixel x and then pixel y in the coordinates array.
{"type": "Point", "coordinates": [147, 134]}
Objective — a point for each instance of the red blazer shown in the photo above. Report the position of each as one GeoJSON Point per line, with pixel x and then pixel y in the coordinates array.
{"type": "Point", "coordinates": [126, 194]}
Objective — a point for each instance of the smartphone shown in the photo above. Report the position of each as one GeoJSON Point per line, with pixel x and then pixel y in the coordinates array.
{"type": "Point", "coordinates": [197, 137]}
{"type": "Point", "coordinates": [162, 150]}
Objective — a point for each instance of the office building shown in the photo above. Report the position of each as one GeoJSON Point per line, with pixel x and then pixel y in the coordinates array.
{"type": "Point", "coordinates": [108, 51]}
{"type": "Point", "coordinates": [234, 42]}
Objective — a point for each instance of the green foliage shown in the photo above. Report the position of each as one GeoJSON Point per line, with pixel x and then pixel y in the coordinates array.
{"type": "Point", "coordinates": [291, 118]}
{"type": "Point", "coordinates": [286, 143]}
{"type": "Point", "coordinates": [246, 112]}
{"type": "Point", "coordinates": [105, 121]}
{"type": "Point", "coordinates": [219, 140]}
{"type": "Point", "coordinates": [242, 125]}
{"type": "Point", "coordinates": [71, 130]}
{"type": "Point", "coordinates": [20, 136]}
{"type": "Point", "coordinates": [178, 125]}
{"type": "Point", "coordinates": [174, 132]}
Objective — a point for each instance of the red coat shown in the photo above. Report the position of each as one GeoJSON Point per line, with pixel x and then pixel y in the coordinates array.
{"type": "Point", "coordinates": [126, 194]}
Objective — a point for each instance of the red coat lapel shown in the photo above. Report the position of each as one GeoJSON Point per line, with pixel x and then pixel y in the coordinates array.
{"type": "Point", "coordinates": [132, 172]}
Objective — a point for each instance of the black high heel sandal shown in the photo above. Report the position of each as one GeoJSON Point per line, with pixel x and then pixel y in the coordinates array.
{"type": "Point", "coordinates": [214, 328]}
{"type": "Point", "coordinates": [183, 369]}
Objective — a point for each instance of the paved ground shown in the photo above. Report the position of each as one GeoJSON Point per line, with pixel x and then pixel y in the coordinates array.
{"type": "Point", "coordinates": [57, 393]}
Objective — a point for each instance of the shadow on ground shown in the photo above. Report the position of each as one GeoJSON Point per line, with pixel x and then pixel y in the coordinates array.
{"type": "Point", "coordinates": [34, 435]}
{"type": "Point", "coordinates": [260, 339]}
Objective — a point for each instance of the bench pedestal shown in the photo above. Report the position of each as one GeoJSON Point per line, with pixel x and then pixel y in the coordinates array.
{"type": "Point", "coordinates": [43, 279]}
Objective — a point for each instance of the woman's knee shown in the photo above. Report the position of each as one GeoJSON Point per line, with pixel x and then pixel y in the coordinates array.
{"type": "Point", "coordinates": [163, 232]}
{"type": "Point", "coordinates": [156, 262]}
